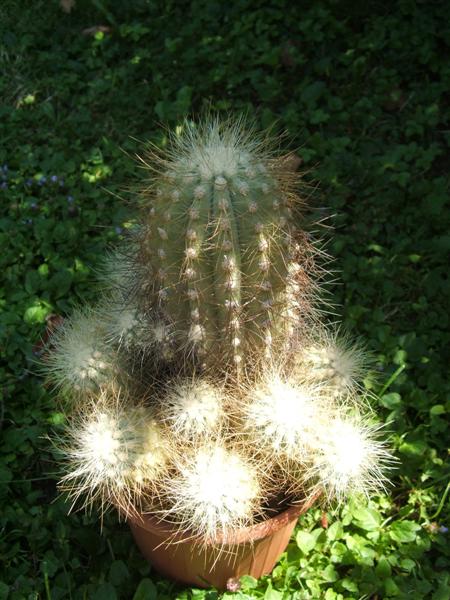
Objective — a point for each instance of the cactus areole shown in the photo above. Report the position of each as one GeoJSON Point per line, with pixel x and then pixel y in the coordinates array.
{"type": "Point", "coordinates": [221, 240]}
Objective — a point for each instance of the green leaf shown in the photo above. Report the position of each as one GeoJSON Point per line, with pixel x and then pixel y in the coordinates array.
{"type": "Point", "coordinates": [311, 93]}
{"type": "Point", "coordinates": [437, 409]}
{"type": "Point", "coordinates": [32, 282]}
{"type": "Point", "coordinates": [272, 594]}
{"type": "Point", "coordinates": [162, 108]}
{"type": "Point", "coordinates": [367, 518]}
{"type": "Point", "coordinates": [36, 314]}
{"type": "Point", "coordinates": [60, 283]}
{"type": "Point", "coordinates": [390, 587]}
{"type": "Point", "coordinates": [184, 96]}
{"type": "Point", "coordinates": [404, 531]}
{"type": "Point", "coordinates": [5, 475]}
{"type": "Point", "coordinates": [248, 582]}
{"type": "Point", "coordinates": [349, 584]}
{"type": "Point", "coordinates": [305, 541]}
{"type": "Point", "coordinates": [43, 270]}
{"type": "Point", "coordinates": [442, 593]}
{"type": "Point", "coordinates": [337, 550]}
{"type": "Point", "coordinates": [56, 418]}
{"type": "Point", "coordinates": [407, 564]}
{"type": "Point", "coordinates": [106, 591]}
{"type": "Point", "coordinates": [314, 586]}
{"type": "Point", "coordinates": [329, 573]}
{"type": "Point", "coordinates": [391, 401]}
{"type": "Point", "coordinates": [118, 572]}
{"type": "Point", "coordinates": [50, 564]}
{"type": "Point", "coordinates": [335, 531]}
{"type": "Point", "coordinates": [200, 594]}
{"type": "Point", "coordinates": [4, 590]}
{"type": "Point", "coordinates": [146, 590]}
{"type": "Point", "coordinates": [383, 568]}
{"type": "Point", "coordinates": [414, 448]}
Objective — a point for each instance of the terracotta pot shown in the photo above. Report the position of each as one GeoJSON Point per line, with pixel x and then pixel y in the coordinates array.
{"type": "Point", "coordinates": [252, 551]}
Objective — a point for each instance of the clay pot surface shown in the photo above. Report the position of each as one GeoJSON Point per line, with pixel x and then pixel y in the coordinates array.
{"type": "Point", "coordinates": [251, 551]}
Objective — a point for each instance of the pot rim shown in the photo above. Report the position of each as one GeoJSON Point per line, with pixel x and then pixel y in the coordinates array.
{"type": "Point", "coordinates": [172, 535]}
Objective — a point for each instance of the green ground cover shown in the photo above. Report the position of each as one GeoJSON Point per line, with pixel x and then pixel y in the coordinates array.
{"type": "Point", "coordinates": [363, 89]}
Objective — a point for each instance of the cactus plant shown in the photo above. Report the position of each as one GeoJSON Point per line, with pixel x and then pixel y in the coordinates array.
{"type": "Point", "coordinates": [205, 372]}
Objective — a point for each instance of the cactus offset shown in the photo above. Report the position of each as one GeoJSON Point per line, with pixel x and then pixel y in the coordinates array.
{"type": "Point", "coordinates": [113, 452]}
{"type": "Point", "coordinates": [216, 492]}
{"type": "Point", "coordinates": [348, 458]}
{"type": "Point", "coordinates": [192, 409]}
{"type": "Point", "coordinates": [220, 238]}
{"type": "Point", "coordinates": [281, 418]}
{"type": "Point", "coordinates": [81, 359]}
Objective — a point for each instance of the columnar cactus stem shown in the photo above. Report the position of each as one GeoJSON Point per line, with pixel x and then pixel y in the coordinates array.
{"type": "Point", "coordinates": [219, 235]}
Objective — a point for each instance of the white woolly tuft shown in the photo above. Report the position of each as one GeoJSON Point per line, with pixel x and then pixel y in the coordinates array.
{"type": "Point", "coordinates": [153, 454]}
{"type": "Point", "coordinates": [281, 418]}
{"type": "Point", "coordinates": [121, 275]}
{"type": "Point", "coordinates": [112, 452]}
{"type": "Point", "coordinates": [215, 493]}
{"type": "Point", "coordinates": [162, 339]}
{"type": "Point", "coordinates": [334, 361]}
{"type": "Point", "coordinates": [349, 458]}
{"type": "Point", "coordinates": [126, 326]}
{"type": "Point", "coordinates": [116, 273]}
{"type": "Point", "coordinates": [215, 148]}
{"type": "Point", "coordinates": [192, 408]}
{"type": "Point", "coordinates": [79, 358]}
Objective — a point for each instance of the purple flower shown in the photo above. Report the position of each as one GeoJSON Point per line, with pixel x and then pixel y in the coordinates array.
{"type": "Point", "coordinates": [233, 584]}
{"type": "Point", "coordinates": [29, 182]}
{"type": "Point", "coordinates": [34, 205]}
{"type": "Point", "coordinates": [70, 199]}
{"type": "Point", "coordinates": [443, 529]}
{"type": "Point", "coordinates": [61, 182]}
{"type": "Point", "coordinates": [119, 230]}
{"type": "Point", "coordinates": [42, 180]}
{"type": "Point", "coordinates": [54, 178]}
{"type": "Point", "coordinates": [432, 527]}
{"type": "Point", "coordinates": [4, 185]}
